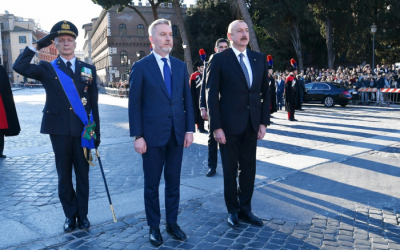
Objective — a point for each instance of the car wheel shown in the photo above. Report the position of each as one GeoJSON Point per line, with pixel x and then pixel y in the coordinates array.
{"type": "Point", "coordinates": [329, 101]}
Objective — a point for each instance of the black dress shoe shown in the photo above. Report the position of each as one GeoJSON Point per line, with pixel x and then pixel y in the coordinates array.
{"type": "Point", "coordinates": [233, 220]}
{"type": "Point", "coordinates": [211, 172]}
{"type": "Point", "coordinates": [293, 120]}
{"type": "Point", "coordinates": [203, 131]}
{"type": "Point", "coordinates": [155, 236]}
{"type": "Point", "coordinates": [70, 224]}
{"type": "Point", "coordinates": [2, 156]}
{"type": "Point", "coordinates": [176, 231]}
{"type": "Point", "coordinates": [83, 223]}
{"type": "Point", "coordinates": [251, 218]}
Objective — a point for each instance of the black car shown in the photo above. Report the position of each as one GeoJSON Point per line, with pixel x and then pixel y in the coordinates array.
{"type": "Point", "coordinates": [327, 93]}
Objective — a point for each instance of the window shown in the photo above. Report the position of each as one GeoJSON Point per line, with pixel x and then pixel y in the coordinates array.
{"type": "Point", "coordinates": [124, 58]}
{"type": "Point", "coordinates": [308, 86]}
{"type": "Point", "coordinates": [22, 39]}
{"type": "Point", "coordinates": [320, 86]}
{"type": "Point", "coordinates": [140, 30]}
{"type": "Point", "coordinates": [141, 54]}
{"type": "Point", "coordinates": [175, 31]}
{"type": "Point", "coordinates": [122, 30]}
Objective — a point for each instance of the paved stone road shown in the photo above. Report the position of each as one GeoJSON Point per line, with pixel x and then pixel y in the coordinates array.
{"type": "Point", "coordinates": [298, 164]}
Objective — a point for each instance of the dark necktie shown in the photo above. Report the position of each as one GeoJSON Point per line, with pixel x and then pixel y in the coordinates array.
{"type": "Point", "coordinates": [244, 68]}
{"type": "Point", "coordinates": [71, 73]}
{"type": "Point", "coordinates": [167, 76]}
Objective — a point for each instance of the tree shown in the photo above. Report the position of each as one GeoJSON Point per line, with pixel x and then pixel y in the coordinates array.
{"type": "Point", "coordinates": [107, 4]}
{"type": "Point", "coordinates": [241, 6]}
{"type": "Point", "coordinates": [206, 23]}
{"type": "Point", "coordinates": [283, 20]}
{"type": "Point", "coordinates": [181, 26]}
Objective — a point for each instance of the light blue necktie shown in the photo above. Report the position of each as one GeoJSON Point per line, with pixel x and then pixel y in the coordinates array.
{"type": "Point", "coordinates": [246, 73]}
{"type": "Point", "coordinates": [167, 76]}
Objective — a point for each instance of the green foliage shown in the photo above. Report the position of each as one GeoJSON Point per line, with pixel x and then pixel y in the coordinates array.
{"type": "Point", "coordinates": [107, 4]}
{"type": "Point", "coordinates": [206, 23]}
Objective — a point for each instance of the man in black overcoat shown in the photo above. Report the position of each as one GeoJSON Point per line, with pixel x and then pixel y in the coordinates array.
{"type": "Point", "coordinates": [9, 124]}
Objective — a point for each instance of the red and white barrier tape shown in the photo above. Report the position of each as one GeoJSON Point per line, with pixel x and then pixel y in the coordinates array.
{"type": "Point", "coordinates": [385, 90]}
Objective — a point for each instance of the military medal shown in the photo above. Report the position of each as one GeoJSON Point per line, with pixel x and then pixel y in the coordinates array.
{"type": "Point", "coordinates": [86, 88]}
{"type": "Point", "coordinates": [84, 101]}
{"type": "Point", "coordinates": [86, 75]}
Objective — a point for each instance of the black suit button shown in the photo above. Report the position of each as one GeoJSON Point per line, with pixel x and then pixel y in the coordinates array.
{"type": "Point", "coordinates": [169, 116]}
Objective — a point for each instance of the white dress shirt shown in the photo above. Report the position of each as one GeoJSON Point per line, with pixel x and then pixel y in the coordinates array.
{"type": "Point", "coordinates": [246, 62]}
{"type": "Point", "coordinates": [161, 66]}
{"type": "Point", "coordinates": [72, 61]}
{"type": "Point", "coordinates": [161, 63]}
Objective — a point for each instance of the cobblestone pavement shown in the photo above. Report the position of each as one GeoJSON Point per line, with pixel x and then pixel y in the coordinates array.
{"type": "Point", "coordinates": [28, 183]}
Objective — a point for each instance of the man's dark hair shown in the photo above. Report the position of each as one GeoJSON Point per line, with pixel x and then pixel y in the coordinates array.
{"type": "Point", "coordinates": [221, 40]}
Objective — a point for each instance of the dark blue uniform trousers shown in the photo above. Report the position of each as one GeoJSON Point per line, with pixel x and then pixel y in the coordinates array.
{"type": "Point", "coordinates": [169, 158]}
{"type": "Point", "coordinates": [69, 154]}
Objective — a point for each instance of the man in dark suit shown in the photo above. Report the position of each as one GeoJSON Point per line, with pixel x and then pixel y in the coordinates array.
{"type": "Point", "coordinates": [237, 79]}
{"type": "Point", "coordinates": [161, 120]}
{"type": "Point", "coordinates": [280, 87]}
{"type": "Point", "coordinates": [60, 119]}
{"type": "Point", "coordinates": [220, 45]}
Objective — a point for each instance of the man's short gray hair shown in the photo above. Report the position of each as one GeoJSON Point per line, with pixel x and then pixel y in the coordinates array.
{"type": "Point", "coordinates": [157, 22]}
{"type": "Point", "coordinates": [230, 27]}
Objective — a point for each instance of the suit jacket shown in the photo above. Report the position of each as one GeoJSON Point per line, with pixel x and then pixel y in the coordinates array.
{"type": "Point", "coordinates": [58, 116]}
{"type": "Point", "coordinates": [152, 113]}
{"type": "Point", "coordinates": [280, 86]}
{"type": "Point", "coordinates": [230, 101]}
{"type": "Point", "coordinates": [203, 103]}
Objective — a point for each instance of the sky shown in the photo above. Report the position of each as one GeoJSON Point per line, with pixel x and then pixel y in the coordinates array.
{"type": "Point", "coordinates": [48, 13]}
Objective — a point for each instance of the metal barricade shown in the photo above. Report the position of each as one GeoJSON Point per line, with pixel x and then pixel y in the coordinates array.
{"type": "Point", "coordinates": [116, 92]}
{"type": "Point", "coordinates": [380, 97]}
{"type": "Point", "coordinates": [391, 96]}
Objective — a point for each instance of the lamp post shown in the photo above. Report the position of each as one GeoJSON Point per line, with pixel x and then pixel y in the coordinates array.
{"type": "Point", "coordinates": [184, 47]}
{"type": "Point", "coordinates": [373, 31]}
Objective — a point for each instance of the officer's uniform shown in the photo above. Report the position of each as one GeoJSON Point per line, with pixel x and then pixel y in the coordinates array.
{"type": "Point", "coordinates": [61, 122]}
{"type": "Point", "coordinates": [292, 92]}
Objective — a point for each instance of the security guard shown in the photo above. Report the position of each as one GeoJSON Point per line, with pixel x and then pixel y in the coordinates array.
{"type": "Point", "coordinates": [70, 115]}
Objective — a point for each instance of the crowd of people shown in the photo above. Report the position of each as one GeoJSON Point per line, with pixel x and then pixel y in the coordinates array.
{"type": "Point", "coordinates": [383, 76]}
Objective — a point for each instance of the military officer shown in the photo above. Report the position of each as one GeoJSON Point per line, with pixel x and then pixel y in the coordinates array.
{"type": "Point", "coordinates": [70, 116]}
{"type": "Point", "coordinates": [292, 91]}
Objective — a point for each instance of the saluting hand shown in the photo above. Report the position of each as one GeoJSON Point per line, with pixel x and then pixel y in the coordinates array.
{"type": "Point", "coordinates": [261, 132]}
{"type": "Point", "coordinates": [188, 140]}
{"type": "Point", "coordinates": [219, 136]}
{"type": "Point", "coordinates": [140, 145]}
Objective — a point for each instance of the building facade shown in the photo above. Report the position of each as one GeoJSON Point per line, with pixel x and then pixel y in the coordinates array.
{"type": "Point", "coordinates": [87, 46]}
{"type": "Point", "coordinates": [16, 34]}
{"type": "Point", "coordinates": [120, 39]}
{"type": "Point", "coordinates": [49, 53]}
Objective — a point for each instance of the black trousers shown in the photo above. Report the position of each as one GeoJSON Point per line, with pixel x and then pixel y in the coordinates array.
{"type": "Point", "coordinates": [1, 141]}
{"type": "Point", "coordinates": [212, 150]}
{"type": "Point", "coordinates": [239, 152]}
{"type": "Point", "coordinates": [69, 154]}
{"type": "Point", "coordinates": [155, 160]}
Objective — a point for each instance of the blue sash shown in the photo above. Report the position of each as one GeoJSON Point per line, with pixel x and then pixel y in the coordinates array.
{"type": "Point", "coordinates": [88, 135]}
